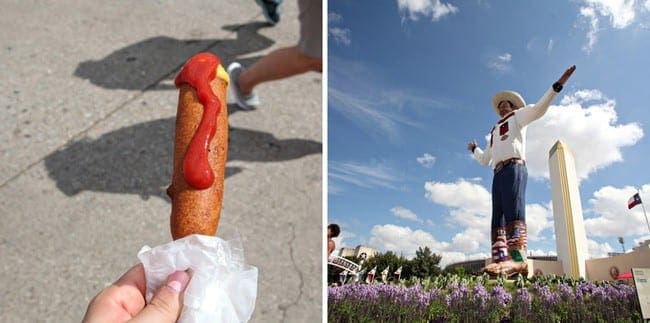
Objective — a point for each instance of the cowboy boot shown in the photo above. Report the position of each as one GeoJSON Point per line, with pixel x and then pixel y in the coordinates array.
{"type": "Point", "coordinates": [517, 248]}
{"type": "Point", "coordinates": [499, 250]}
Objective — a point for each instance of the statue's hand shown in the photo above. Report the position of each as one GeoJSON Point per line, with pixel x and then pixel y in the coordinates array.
{"type": "Point", "coordinates": [472, 145]}
{"type": "Point", "coordinates": [566, 75]}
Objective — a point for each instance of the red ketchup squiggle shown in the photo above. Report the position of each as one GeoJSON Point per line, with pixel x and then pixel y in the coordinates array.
{"type": "Point", "coordinates": [197, 73]}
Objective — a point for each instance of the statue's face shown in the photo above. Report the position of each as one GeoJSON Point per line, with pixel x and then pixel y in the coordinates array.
{"type": "Point", "coordinates": [504, 108]}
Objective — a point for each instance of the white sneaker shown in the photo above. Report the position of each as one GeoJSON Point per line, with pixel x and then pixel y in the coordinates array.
{"type": "Point", "coordinates": [244, 101]}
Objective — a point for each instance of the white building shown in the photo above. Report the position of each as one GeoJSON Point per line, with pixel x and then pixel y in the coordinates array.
{"type": "Point", "coordinates": [571, 239]}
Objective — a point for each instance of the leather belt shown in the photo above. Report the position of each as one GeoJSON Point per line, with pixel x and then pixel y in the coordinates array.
{"type": "Point", "coordinates": [504, 163]}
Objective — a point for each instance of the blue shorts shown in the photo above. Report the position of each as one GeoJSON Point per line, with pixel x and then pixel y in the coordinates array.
{"type": "Point", "coordinates": [311, 27]}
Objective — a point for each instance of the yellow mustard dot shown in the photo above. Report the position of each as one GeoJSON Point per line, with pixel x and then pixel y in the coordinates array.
{"type": "Point", "coordinates": [222, 74]}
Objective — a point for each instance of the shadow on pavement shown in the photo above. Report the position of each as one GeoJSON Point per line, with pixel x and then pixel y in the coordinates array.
{"type": "Point", "coordinates": [153, 62]}
{"type": "Point", "coordinates": [138, 159]}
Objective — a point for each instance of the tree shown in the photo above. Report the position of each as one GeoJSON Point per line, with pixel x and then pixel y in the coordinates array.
{"type": "Point", "coordinates": [389, 258]}
{"type": "Point", "coordinates": [425, 263]}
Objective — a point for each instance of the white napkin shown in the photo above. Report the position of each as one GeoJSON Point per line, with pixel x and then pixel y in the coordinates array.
{"type": "Point", "coordinates": [223, 287]}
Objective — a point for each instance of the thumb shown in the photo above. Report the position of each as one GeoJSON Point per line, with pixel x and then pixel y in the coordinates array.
{"type": "Point", "coordinates": [167, 303]}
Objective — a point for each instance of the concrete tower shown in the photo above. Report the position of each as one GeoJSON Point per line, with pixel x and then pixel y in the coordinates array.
{"type": "Point", "coordinates": [570, 234]}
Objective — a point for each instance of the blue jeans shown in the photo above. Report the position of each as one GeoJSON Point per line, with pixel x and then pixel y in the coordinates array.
{"type": "Point", "coordinates": [509, 195]}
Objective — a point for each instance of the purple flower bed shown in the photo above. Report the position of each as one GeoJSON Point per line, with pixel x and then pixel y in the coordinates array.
{"type": "Point", "coordinates": [454, 299]}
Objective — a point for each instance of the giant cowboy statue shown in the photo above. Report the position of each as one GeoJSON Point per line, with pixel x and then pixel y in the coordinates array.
{"type": "Point", "coordinates": [506, 154]}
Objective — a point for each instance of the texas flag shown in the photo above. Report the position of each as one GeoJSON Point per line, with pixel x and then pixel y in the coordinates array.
{"type": "Point", "coordinates": [634, 201]}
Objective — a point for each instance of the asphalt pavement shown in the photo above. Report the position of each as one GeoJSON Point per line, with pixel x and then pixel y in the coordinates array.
{"type": "Point", "coordinates": [86, 129]}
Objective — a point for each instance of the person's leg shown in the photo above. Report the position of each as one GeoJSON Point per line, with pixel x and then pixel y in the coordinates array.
{"type": "Point", "coordinates": [271, 10]}
{"type": "Point", "coordinates": [311, 27]}
{"type": "Point", "coordinates": [281, 63]}
{"type": "Point", "coordinates": [284, 62]}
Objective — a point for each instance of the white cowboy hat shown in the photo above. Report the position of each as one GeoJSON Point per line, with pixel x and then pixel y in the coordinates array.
{"type": "Point", "coordinates": [511, 96]}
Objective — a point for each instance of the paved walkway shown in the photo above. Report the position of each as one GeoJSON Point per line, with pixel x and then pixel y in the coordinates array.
{"type": "Point", "coordinates": [87, 119]}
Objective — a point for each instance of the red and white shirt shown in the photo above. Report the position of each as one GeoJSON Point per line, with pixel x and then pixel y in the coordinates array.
{"type": "Point", "coordinates": [508, 137]}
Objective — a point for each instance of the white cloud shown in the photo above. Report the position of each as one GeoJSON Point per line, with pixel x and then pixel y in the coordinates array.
{"type": "Point", "coordinates": [340, 35]}
{"type": "Point", "coordinates": [530, 44]}
{"type": "Point", "coordinates": [598, 250]}
{"type": "Point", "coordinates": [405, 241]}
{"type": "Point", "coordinates": [340, 241]}
{"type": "Point", "coordinates": [361, 111]}
{"type": "Point", "coordinates": [470, 209]}
{"type": "Point", "coordinates": [589, 15]}
{"type": "Point", "coordinates": [587, 122]}
{"type": "Point", "coordinates": [333, 18]}
{"type": "Point", "coordinates": [613, 219]}
{"type": "Point", "coordinates": [374, 104]}
{"type": "Point", "coordinates": [538, 219]}
{"type": "Point", "coordinates": [404, 213]}
{"type": "Point", "coordinates": [533, 45]}
{"type": "Point", "coordinates": [647, 5]}
{"type": "Point", "coordinates": [501, 63]}
{"type": "Point", "coordinates": [334, 188]}
{"type": "Point", "coordinates": [434, 8]}
{"type": "Point", "coordinates": [450, 257]}
{"type": "Point", "coordinates": [582, 96]}
{"type": "Point", "coordinates": [427, 160]}
{"type": "Point", "coordinates": [465, 241]}
{"type": "Point", "coordinates": [369, 175]}
{"type": "Point", "coordinates": [620, 13]}
{"type": "Point", "coordinates": [471, 197]}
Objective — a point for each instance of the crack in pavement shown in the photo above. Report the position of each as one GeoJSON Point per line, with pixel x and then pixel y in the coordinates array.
{"type": "Point", "coordinates": [285, 307]}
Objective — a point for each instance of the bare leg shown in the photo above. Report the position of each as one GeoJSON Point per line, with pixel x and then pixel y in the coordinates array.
{"type": "Point", "coordinates": [278, 64]}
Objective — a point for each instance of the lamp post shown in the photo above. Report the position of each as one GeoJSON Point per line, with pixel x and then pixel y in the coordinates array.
{"type": "Point", "coordinates": [622, 242]}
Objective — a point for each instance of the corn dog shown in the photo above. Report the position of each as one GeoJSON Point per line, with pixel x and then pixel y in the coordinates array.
{"type": "Point", "coordinates": [200, 147]}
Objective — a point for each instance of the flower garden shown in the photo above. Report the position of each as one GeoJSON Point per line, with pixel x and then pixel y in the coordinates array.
{"type": "Point", "coordinates": [454, 298]}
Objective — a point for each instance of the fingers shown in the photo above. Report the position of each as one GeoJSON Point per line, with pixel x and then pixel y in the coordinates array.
{"type": "Point", "coordinates": [119, 301]}
{"type": "Point", "coordinates": [569, 71]}
{"type": "Point", "coordinates": [134, 277]}
{"type": "Point", "coordinates": [567, 74]}
{"type": "Point", "coordinates": [167, 303]}
{"type": "Point", "coordinates": [471, 145]}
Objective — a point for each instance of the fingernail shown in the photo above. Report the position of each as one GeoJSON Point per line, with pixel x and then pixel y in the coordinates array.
{"type": "Point", "coordinates": [178, 280]}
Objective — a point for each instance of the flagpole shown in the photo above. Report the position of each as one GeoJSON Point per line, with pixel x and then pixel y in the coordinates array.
{"type": "Point", "coordinates": [644, 213]}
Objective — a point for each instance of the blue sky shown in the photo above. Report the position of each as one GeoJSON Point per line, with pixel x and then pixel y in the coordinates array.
{"type": "Point", "coordinates": [410, 84]}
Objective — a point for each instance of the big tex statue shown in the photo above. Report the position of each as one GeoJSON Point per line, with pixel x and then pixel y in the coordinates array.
{"type": "Point", "coordinates": [506, 154]}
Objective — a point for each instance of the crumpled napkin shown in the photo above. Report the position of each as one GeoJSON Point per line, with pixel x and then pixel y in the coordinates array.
{"type": "Point", "coordinates": [223, 288]}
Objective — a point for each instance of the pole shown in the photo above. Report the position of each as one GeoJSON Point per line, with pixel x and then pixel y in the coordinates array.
{"type": "Point", "coordinates": [622, 242]}
{"type": "Point", "coordinates": [644, 213]}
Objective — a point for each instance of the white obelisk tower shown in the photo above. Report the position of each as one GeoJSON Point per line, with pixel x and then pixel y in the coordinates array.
{"type": "Point", "coordinates": [570, 236]}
